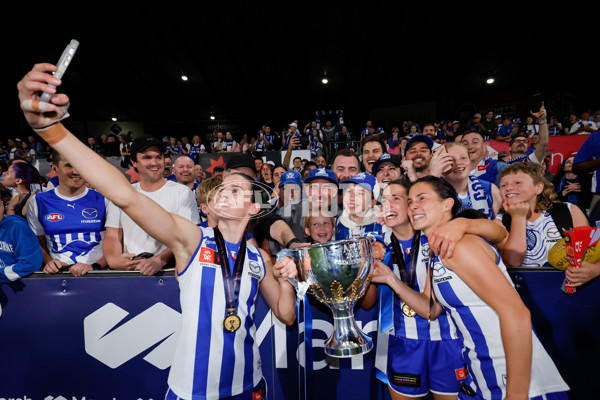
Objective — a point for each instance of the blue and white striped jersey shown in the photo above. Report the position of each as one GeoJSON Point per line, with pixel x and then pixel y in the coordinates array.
{"type": "Point", "coordinates": [479, 327]}
{"type": "Point", "coordinates": [210, 362]}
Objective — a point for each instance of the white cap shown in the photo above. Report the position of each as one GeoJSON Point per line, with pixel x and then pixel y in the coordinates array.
{"type": "Point", "coordinates": [295, 125]}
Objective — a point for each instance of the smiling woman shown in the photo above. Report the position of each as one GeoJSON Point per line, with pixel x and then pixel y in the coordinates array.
{"type": "Point", "coordinates": [504, 358]}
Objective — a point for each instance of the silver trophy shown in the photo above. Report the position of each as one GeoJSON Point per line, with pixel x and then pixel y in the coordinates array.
{"type": "Point", "coordinates": [339, 275]}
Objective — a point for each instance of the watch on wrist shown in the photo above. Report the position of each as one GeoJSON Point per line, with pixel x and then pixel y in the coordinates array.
{"type": "Point", "coordinates": [292, 241]}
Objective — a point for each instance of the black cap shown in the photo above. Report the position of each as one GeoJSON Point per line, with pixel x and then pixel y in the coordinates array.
{"type": "Point", "coordinates": [142, 143]}
{"type": "Point", "coordinates": [241, 160]}
{"type": "Point", "coordinates": [218, 168]}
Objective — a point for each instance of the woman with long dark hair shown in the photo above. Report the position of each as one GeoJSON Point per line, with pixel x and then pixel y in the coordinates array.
{"type": "Point", "coordinates": [505, 360]}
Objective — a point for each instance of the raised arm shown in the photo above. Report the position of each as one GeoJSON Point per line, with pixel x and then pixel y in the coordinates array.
{"type": "Point", "coordinates": [177, 233]}
{"type": "Point", "coordinates": [540, 151]}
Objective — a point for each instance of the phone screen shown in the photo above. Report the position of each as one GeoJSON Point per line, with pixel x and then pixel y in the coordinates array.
{"type": "Point", "coordinates": [35, 186]}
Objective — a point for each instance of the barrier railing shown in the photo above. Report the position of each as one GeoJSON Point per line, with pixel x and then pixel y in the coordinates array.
{"type": "Point", "coordinates": [111, 335]}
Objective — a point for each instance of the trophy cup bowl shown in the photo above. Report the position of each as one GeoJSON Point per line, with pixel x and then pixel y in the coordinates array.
{"type": "Point", "coordinates": [339, 275]}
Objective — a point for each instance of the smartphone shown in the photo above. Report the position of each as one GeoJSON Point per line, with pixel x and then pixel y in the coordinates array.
{"type": "Point", "coordinates": [63, 63]}
{"type": "Point", "coordinates": [442, 150]}
{"type": "Point", "coordinates": [536, 102]}
{"type": "Point", "coordinates": [35, 186]}
{"type": "Point", "coordinates": [142, 256]}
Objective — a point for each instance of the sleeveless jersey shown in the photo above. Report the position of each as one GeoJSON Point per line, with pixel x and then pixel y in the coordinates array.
{"type": "Point", "coordinates": [74, 226]}
{"type": "Point", "coordinates": [209, 362]}
{"type": "Point", "coordinates": [479, 328]}
{"type": "Point", "coordinates": [417, 327]}
{"type": "Point", "coordinates": [542, 234]}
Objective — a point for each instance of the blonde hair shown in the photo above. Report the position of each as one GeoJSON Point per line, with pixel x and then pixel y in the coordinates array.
{"type": "Point", "coordinates": [547, 197]}
{"type": "Point", "coordinates": [205, 191]}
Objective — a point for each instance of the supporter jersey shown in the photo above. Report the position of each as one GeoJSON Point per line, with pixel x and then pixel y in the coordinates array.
{"type": "Point", "coordinates": [260, 146]}
{"type": "Point", "coordinates": [174, 149]}
{"type": "Point", "coordinates": [347, 229]}
{"type": "Point", "coordinates": [486, 170]}
{"type": "Point", "coordinates": [287, 140]}
{"type": "Point", "coordinates": [195, 149]}
{"type": "Point", "coordinates": [479, 328]}
{"type": "Point", "coordinates": [73, 226]}
{"type": "Point", "coordinates": [542, 234]}
{"type": "Point", "coordinates": [209, 362]}
{"type": "Point", "coordinates": [229, 144]}
{"type": "Point", "coordinates": [417, 327]}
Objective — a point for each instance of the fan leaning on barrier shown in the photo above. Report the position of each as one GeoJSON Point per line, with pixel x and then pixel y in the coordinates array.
{"type": "Point", "coordinates": [337, 274]}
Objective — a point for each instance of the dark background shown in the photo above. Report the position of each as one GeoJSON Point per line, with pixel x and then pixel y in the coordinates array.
{"type": "Point", "coordinates": [253, 63]}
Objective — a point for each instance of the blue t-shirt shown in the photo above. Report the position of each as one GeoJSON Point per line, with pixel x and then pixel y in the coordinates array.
{"type": "Point", "coordinates": [590, 150]}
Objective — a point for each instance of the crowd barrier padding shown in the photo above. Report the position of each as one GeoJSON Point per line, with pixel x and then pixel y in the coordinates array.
{"type": "Point", "coordinates": [111, 335]}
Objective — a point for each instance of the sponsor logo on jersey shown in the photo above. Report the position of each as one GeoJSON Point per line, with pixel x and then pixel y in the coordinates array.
{"type": "Point", "coordinates": [89, 213]}
{"type": "Point", "coordinates": [207, 256]}
{"type": "Point", "coordinates": [482, 167]}
{"type": "Point", "coordinates": [54, 217]}
{"type": "Point", "coordinates": [460, 373]}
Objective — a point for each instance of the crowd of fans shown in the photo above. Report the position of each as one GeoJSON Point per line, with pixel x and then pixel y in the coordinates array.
{"type": "Point", "coordinates": [362, 164]}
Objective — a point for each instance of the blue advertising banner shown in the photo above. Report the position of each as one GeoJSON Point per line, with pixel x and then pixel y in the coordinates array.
{"type": "Point", "coordinates": [112, 335]}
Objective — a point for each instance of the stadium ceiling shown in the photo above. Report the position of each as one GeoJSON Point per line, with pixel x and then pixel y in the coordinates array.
{"type": "Point", "coordinates": [262, 62]}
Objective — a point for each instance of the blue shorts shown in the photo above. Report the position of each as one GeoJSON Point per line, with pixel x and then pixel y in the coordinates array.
{"type": "Point", "coordinates": [259, 392]}
{"type": "Point", "coordinates": [416, 367]}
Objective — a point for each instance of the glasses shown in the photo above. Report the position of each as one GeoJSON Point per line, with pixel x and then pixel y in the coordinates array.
{"type": "Point", "coordinates": [520, 141]}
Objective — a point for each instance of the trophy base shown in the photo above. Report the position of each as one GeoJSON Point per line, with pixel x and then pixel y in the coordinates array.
{"type": "Point", "coordinates": [347, 342]}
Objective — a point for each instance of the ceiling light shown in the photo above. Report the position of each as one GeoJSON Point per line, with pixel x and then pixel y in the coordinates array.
{"type": "Point", "coordinates": [114, 119]}
{"type": "Point", "coordinates": [184, 78]}
{"type": "Point", "coordinates": [324, 80]}
{"type": "Point", "coordinates": [489, 81]}
{"type": "Point", "coordinates": [212, 117]}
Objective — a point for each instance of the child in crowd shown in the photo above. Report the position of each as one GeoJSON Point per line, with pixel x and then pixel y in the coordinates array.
{"type": "Point", "coordinates": [319, 227]}
{"type": "Point", "coordinates": [360, 214]}
{"type": "Point", "coordinates": [531, 216]}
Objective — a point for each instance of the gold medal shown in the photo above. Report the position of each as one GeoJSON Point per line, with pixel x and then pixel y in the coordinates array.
{"type": "Point", "coordinates": [232, 323]}
{"type": "Point", "coordinates": [409, 312]}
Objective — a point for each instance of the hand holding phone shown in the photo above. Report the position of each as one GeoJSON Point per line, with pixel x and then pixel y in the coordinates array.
{"type": "Point", "coordinates": [35, 186]}
{"type": "Point", "coordinates": [142, 256]}
{"type": "Point", "coordinates": [63, 63]}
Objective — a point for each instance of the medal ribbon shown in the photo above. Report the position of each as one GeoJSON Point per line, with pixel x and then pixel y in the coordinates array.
{"type": "Point", "coordinates": [386, 302]}
{"type": "Point", "coordinates": [407, 274]}
{"type": "Point", "coordinates": [231, 279]}
{"type": "Point", "coordinates": [304, 376]}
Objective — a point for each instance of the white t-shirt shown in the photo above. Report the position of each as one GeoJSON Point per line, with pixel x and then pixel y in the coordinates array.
{"type": "Point", "coordinates": [173, 197]}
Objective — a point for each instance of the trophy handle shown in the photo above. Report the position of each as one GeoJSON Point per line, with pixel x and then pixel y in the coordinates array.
{"type": "Point", "coordinates": [301, 287]}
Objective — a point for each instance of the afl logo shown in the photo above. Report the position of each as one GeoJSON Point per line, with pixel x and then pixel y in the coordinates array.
{"type": "Point", "coordinates": [54, 217]}
{"type": "Point", "coordinates": [89, 213]}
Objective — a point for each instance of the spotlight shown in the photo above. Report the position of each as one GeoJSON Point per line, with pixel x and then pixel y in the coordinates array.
{"type": "Point", "coordinates": [324, 80]}
{"type": "Point", "coordinates": [184, 78]}
{"type": "Point", "coordinates": [489, 81]}
{"type": "Point", "coordinates": [114, 119]}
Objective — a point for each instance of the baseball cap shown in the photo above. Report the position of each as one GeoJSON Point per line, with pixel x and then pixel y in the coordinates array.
{"type": "Point", "coordinates": [295, 125]}
{"type": "Point", "coordinates": [291, 177]}
{"type": "Point", "coordinates": [241, 160]}
{"type": "Point", "coordinates": [380, 129]}
{"type": "Point", "coordinates": [442, 122]}
{"type": "Point", "coordinates": [396, 160]}
{"type": "Point", "coordinates": [321, 173]}
{"type": "Point", "coordinates": [142, 143]}
{"type": "Point", "coordinates": [456, 122]}
{"type": "Point", "coordinates": [218, 168]}
{"type": "Point", "coordinates": [418, 138]}
{"type": "Point", "coordinates": [498, 116]}
{"type": "Point", "coordinates": [363, 179]}
{"type": "Point", "coordinates": [517, 121]}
